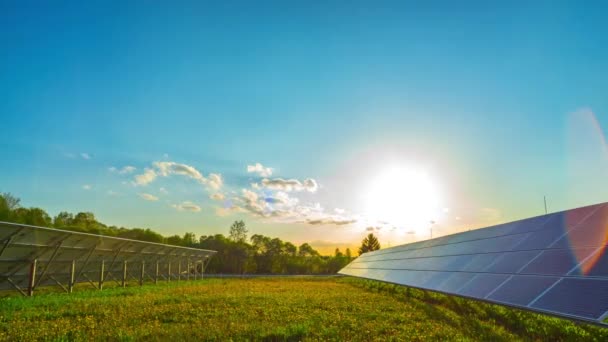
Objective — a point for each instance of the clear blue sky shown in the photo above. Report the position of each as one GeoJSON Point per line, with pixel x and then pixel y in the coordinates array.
{"type": "Point", "coordinates": [498, 103]}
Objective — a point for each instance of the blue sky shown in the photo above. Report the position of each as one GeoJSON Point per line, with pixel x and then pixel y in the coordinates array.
{"type": "Point", "coordinates": [499, 104]}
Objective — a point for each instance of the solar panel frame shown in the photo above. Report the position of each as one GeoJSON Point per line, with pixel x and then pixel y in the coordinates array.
{"type": "Point", "coordinates": [32, 256]}
{"type": "Point", "coordinates": [501, 256]}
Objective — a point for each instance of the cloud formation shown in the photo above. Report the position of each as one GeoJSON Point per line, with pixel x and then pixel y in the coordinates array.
{"type": "Point", "coordinates": [281, 207]}
{"type": "Point", "coordinates": [85, 156]}
{"type": "Point", "coordinates": [86, 187]}
{"type": "Point", "coordinates": [186, 206]}
{"type": "Point", "coordinates": [260, 169]}
{"type": "Point", "coordinates": [289, 185]}
{"type": "Point", "coordinates": [217, 196]}
{"type": "Point", "coordinates": [331, 220]}
{"type": "Point", "coordinates": [167, 169]}
{"type": "Point", "coordinates": [215, 181]}
{"type": "Point", "coordinates": [145, 178]}
{"type": "Point", "coordinates": [124, 171]}
{"type": "Point", "coordinates": [148, 197]}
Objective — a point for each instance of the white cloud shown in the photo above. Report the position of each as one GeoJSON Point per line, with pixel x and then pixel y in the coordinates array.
{"type": "Point", "coordinates": [163, 191]}
{"type": "Point", "coordinates": [148, 197]}
{"type": "Point", "coordinates": [339, 211]}
{"type": "Point", "coordinates": [87, 187]}
{"type": "Point", "coordinates": [260, 169]}
{"type": "Point", "coordinates": [112, 193]}
{"type": "Point", "coordinates": [186, 206]}
{"type": "Point", "coordinates": [166, 169]}
{"type": "Point", "coordinates": [147, 177]}
{"type": "Point", "coordinates": [85, 156]}
{"type": "Point", "coordinates": [217, 196]}
{"type": "Point", "coordinates": [215, 181]}
{"type": "Point", "coordinates": [279, 206]}
{"type": "Point", "coordinates": [308, 184]}
{"type": "Point", "coordinates": [125, 170]}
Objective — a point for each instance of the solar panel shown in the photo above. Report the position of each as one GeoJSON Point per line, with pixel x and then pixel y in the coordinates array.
{"type": "Point", "coordinates": [36, 256]}
{"type": "Point", "coordinates": [553, 264]}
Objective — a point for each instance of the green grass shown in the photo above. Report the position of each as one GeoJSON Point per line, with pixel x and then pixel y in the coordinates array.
{"type": "Point", "coordinates": [274, 309]}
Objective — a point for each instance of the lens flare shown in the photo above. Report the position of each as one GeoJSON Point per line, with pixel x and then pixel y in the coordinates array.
{"type": "Point", "coordinates": [588, 165]}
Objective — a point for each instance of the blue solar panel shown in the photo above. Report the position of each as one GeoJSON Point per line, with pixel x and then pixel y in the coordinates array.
{"type": "Point", "coordinates": [586, 298]}
{"type": "Point", "coordinates": [522, 290]}
{"type": "Point", "coordinates": [480, 262]}
{"type": "Point", "coordinates": [541, 239]}
{"type": "Point", "coordinates": [482, 284]}
{"type": "Point", "coordinates": [531, 263]}
{"type": "Point", "coordinates": [455, 282]}
{"type": "Point", "coordinates": [511, 262]}
{"type": "Point", "coordinates": [595, 265]}
{"type": "Point", "coordinates": [556, 262]}
{"type": "Point", "coordinates": [591, 232]}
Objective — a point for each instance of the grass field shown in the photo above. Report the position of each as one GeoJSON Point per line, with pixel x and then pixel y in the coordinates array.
{"type": "Point", "coordinates": [274, 309]}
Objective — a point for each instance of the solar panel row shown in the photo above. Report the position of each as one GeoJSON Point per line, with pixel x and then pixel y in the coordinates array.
{"type": "Point", "coordinates": [35, 256]}
{"type": "Point", "coordinates": [553, 263]}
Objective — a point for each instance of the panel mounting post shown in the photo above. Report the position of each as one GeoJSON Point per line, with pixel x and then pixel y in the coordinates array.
{"type": "Point", "coordinates": [72, 277]}
{"type": "Point", "coordinates": [156, 276]}
{"type": "Point", "coordinates": [32, 278]}
{"type": "Point", "coordinates": [179, 270]}
{"type": "Point", "coordinates": [124, 273]}
{"type": "Point", "coordinates": [101, 272]}
{"type": "Point", "coordinates": [169, 271]}
{"type": "Point", "coordinates": [143, 270]}
{"type": "Point", "coordinates": [188, 269]}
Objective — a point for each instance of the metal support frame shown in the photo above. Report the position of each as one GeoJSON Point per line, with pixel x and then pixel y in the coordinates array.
{"type": "Point", "coordinates": [169, 271]}
{"type": "Point", "coordinates": [179, 270]}
{"type": "Point", "coordinates": [48, 263]}
{"type": "Point", "coordinates": [101, 272]}
{"type": "Point", "coordinates": [143, 271]}
{"type": "Point", "coordinates": [16, 287]}
{"type": "Point", "coordinates": [86, 262]}
{"type": "Point", "coordinates": [32, 278]}
{"type": "Point", "coordinates": [62, 259]}
{"type": "Point", "coordinates": [124, 273]}
{"type": "Point", "coordinates": [156, 275]}
{"type": "Point", "coordinates": [72, 277]}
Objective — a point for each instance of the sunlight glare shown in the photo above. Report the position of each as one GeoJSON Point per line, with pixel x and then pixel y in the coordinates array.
{"type": "Point", "coordinates": [404, 197]}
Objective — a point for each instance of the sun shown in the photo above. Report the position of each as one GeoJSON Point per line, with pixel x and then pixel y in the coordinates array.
{"type": "Point", "coordinates": [404, 197]}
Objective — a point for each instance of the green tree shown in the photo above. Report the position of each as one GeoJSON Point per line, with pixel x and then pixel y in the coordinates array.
{"type": "Point", "coordinates": [238, 231]}
{"type": "Point", "coordinates": [306, 250]}
{"type": "Point", "coordinates": [189, 240]}
{"type": "Point", "coordinates": [12, 202]}
{"type": "Point", "coordinates": [5, 212]}
{"type": "Point", "coordinates": [63, 219]}
{"type": "Point", "coordinates": [370, 243]}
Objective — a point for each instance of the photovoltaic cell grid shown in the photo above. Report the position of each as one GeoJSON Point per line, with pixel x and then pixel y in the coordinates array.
{"type": "Point", "coordinates": [35, 256]}
{"type": "Point", "coordinates": [555, 263]}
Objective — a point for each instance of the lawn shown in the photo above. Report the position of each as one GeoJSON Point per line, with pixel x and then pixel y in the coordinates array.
{"type": "Point", "coordinates": [301, 308]}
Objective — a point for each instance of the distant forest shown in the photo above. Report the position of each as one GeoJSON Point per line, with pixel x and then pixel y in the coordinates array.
{"type": "Point", "coordinates": [236, 253]}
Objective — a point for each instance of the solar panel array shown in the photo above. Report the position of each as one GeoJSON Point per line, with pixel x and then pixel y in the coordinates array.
{"type": "Point", "coordinates": [36, 256]}
{"type": "Point", "coordinates": [554, 264]}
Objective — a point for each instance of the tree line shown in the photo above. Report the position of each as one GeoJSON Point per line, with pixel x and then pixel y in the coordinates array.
{"type": "Point", "coordinates": [236, 253]}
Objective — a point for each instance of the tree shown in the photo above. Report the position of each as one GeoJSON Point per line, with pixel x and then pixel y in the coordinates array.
{"type": "Point", "coordinates": [238, 231]}
{"type": "Point", "coordinates": [348, 254]}
{"type": "Point", "coordinates": [11, 201]}
{"type": "Point", "coordinates": [370, 243]}
{"type": "Point", "coordinates": [63, 219]}
{"type": "Point", "coordinates": [189, 239]}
